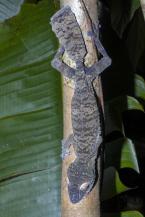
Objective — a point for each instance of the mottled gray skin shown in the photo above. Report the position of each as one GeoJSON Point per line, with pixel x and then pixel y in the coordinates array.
{"type": "Point", "coordinates": [85, 110]}
{"type": "Point", "coordinates": [69, 33]}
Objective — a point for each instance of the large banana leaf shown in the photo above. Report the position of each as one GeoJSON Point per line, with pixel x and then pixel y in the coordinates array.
{"type": "Point", "coordinates": [30, 115]}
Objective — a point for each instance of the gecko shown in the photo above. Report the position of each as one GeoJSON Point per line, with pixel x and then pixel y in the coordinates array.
{"type": "Point", "coordinates": [86, 116]}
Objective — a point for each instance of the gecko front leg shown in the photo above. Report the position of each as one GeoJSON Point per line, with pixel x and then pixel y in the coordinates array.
{"type": "Point", "coordinates": [58, 64]}
{"type": "Point", "coordinates": [66, 143]}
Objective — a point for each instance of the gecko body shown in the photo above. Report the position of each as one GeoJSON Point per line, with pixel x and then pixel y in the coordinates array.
{"type": "Point", "coordinates": [86, 137]}
{"type": "Point", "coordinates": [85, 109]}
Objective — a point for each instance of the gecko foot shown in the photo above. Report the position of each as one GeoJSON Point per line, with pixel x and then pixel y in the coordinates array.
{"type": "Point", "coordinates": [66, 143]}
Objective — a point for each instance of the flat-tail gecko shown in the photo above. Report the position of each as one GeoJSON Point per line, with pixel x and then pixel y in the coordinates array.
{"type": "Point", "coordinates": [85, 109]}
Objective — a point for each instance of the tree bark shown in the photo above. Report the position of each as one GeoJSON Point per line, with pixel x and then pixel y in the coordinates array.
{"type": "Point", "coordinates": [89, 206]}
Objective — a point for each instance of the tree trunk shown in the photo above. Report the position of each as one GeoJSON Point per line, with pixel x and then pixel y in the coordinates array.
{"type": "Point", "coordinates": [89, 206]}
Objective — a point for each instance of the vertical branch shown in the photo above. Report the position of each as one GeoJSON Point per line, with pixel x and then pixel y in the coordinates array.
{"type": "Point", "coordinates": [89, 206]}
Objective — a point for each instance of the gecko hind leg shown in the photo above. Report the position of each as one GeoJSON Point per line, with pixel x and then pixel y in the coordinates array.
{"type": "Point", "coordinates": [66, 143]}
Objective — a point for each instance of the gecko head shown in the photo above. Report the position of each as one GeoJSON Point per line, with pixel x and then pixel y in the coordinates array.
{"type": "Point", "coordinates": [80, 181]}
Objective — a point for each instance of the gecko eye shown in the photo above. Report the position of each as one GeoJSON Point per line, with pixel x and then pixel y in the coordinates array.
{"type": "Point", "coordinates": [84, 186]}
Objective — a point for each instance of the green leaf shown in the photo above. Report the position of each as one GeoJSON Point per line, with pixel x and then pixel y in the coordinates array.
{"type": "Point", "coordinates": [112, 185]}
{"type": "Point", "coordinates": [114, 109]}
{"type": "Point", "coordinates": [119, 154]}
{"type": "Point", "coordinates": [30, 115]}
{"type": "Point", "coordinates": [122, 13]}
{"type": "Point", "coordinates": [9, 8]}
{"type": "Point", "coordinates": [123, 214]}
{"type": "Point", "coordinates": [139, 87]}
